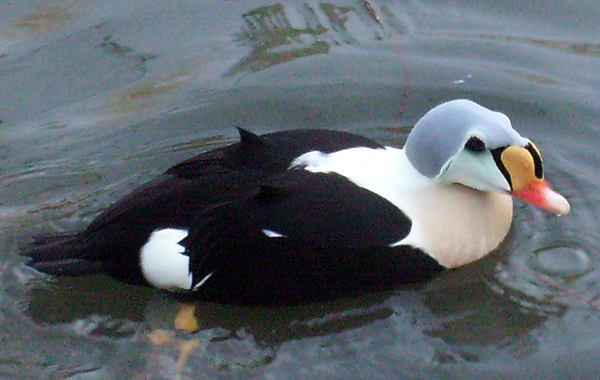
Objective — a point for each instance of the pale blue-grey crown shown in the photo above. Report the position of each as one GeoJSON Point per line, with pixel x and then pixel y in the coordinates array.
{"type": "Point", "coordinates": [443, 131]}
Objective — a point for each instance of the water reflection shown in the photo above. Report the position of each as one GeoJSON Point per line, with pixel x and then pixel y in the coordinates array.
{"type": "Point", "coordinates": [43, 17]}
{"type": "Point", "coordinates": [111, 46]}
{"type": "Point", "coordinates": [269, 28]}
{"type": "Point", "coordinates": [477, 313]}
{"type": "Point", "coordinates": [89, 301]}
{"type": "Point", "coordinates": [51, 75]}
{"type": "Point", "coordinates": [470, 306]}
{"type": "Point", "coordinates": [275, 39]}
{"type": "Point", "coordinates": [584, 48]}
{"type": "Point", "coordinates": [463, 316]}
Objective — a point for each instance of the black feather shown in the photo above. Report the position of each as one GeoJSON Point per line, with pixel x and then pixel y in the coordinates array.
{"type": "Point", "coordinates": [62, 254]}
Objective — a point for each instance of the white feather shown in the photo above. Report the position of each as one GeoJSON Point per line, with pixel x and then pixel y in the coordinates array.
{"type": "Point", "coordinates": [201, 282]}
{"type": "Point", "coordinates": [272, 234]}
{"type": "Point", "coordinates": [162, 261]}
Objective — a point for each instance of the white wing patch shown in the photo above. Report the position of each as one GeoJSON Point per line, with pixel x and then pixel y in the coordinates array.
{"type": "Point", "coordinates": [162, 261]}
{"type": "Point", "coordinates": [201, 282]}
{"type": "Point", "coordinates": [272, 234]}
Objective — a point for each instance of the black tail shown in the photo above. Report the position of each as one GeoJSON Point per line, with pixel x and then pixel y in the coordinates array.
{"type": "Point", "coordinates": [62, 254]}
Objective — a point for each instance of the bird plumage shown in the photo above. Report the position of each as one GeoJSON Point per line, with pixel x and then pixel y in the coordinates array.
{"type": "Point", "coordinates": [310, 214]}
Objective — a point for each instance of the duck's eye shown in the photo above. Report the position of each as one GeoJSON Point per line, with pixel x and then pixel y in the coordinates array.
{"type": "Point", "coordinates": [474, 144]}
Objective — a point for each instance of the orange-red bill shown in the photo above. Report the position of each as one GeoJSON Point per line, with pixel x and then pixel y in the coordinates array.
{"type": "Point", "coordinates": [540, 194]}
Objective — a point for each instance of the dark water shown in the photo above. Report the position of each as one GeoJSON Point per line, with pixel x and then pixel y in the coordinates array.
{"type": "Point", "coordinates": [98, 97]}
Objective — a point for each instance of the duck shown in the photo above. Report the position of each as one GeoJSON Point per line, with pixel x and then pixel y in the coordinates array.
{"type": "Point", "coordinates": [309, 214]}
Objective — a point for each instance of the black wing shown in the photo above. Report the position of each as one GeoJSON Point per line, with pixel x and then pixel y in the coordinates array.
{"type": "Point", "coordinates": [269, 153]}
{"type": "Point", "coordinates": [303, 235]}
{"type": "Point", "coordinates": [211, 177]}
{"type": "Point", "coordinates": [324, 209]}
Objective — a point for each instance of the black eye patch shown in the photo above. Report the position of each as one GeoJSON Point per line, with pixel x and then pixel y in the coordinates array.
{"type": "Point", "coordinates": [537, 159]}
{"type": "Point", "coordinates": [474, 144]}
{"type": "Point", "coordinates": [497, 155]}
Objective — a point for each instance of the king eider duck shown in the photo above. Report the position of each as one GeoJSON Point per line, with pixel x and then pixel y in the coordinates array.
{"type": "Point", "coordinates": [311, 214]}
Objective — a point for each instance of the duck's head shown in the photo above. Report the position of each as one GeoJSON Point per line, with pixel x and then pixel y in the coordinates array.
{"type": "Point", "coordinates": [463, 142]}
